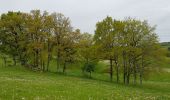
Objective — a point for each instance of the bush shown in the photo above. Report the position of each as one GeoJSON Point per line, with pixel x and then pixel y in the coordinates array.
{"type": "Point", "coordinates": [88, 68]}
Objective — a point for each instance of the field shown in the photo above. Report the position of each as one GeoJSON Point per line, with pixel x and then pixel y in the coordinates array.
{"type": "Point", "coordinates": [18, 83]}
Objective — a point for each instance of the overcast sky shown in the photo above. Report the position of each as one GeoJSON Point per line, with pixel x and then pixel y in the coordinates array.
{"type": "Point", "coordinates": [85, 13]}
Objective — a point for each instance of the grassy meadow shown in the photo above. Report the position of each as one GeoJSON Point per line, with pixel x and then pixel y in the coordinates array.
{"type": "Point", "coordinates": [19, 83]}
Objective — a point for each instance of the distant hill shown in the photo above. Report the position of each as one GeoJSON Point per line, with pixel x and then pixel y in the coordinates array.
{"type": "Point", "coordinates": [165, 44]}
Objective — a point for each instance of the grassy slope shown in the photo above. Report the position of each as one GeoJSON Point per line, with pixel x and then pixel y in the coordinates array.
{"type": "Point", "coordinates": [20, 84]}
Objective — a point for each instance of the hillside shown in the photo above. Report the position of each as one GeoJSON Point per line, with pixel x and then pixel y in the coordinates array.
{"type": "Point", "coordinates": [18, 83]}
{"type": "Point", "coordinates": [165, 44]}
{"type": "Point", "coordinates": [44, 57]}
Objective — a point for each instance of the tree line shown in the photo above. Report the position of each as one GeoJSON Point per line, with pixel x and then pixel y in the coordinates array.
{"type": "Point", "coordinates": [34, 39]}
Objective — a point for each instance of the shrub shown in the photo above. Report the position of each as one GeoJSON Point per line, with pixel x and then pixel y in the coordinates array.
{"type": "Point", "coordinates": [88, 68]}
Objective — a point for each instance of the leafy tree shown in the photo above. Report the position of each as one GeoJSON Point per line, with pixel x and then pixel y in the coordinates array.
{"type": "Point", "coordinates": [62, 28]}
{"type": "Point", "coordinates": [12, 28]}
{"type": "Point", "coordinates": [138, 34]}
{"type": "Point", "coordinates": [70, 48]}
{"type": "Point", "coordinates": [104, 38]}
{"type": "Point", "coordinates": [89, 67]}
{"type": "Point", "coordinates": [127, 40]}
{"type": "Point", "coordinates": [35, 38]}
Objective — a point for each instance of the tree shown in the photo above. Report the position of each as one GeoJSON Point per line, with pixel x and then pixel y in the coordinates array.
{"type": "Point", "coordinates": [62, 28]}
{"type": "Point", "coordinates": [137, 33]}
{"type": "Point", "coordinates": [34, 38]}
{"type": "Point", "coordinates": [48, 28]}
{"type": "Point", "coordinates": [87, 52]}
{"type": "Point", "coordinates": [12, 28]}
{"type": "Point", "coordinates": [70, 48]}
{"type": "Point", "coordinates": [89, 67]}
{"type": "Point", "coordinates": [104, 37]}
{"type": "Point", "coordinates": [126, 40]}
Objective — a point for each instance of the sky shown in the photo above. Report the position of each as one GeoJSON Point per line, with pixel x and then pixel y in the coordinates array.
{"type": "Point", "coordinates": [84, 14]}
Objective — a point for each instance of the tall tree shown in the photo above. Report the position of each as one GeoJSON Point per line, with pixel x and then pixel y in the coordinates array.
{"type": "Point", "coordinates": [12, 28]}
{"type": "Point", "coordinates": [62, 27]}
{"type": "Point", "coordinates": [104, 37]}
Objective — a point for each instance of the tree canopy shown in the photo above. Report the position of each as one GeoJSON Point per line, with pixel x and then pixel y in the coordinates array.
{"type": "Point", "coordinates": [35, 39]}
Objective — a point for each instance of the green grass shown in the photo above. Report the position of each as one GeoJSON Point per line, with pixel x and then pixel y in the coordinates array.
{"type": "Point", "coordinates": [18, 83]}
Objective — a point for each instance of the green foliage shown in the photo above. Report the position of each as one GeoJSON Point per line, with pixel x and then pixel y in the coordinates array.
{"type": "Point", "coordinates": [30, 38]}
{"type": "Point", "coordinates": [89, 68]}
{"type": "Point", "coordinates": [38, 40]}
{"type": "Point", "coordinates": [12, 30]}
{"type": "Point", "coordinates": [129, 43]}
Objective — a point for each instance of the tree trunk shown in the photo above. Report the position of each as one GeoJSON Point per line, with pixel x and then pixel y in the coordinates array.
{"type": "Point", "coordinates": [49, 56]}
{"type": "Point", "coordinates": [141, 72]}
{"type": "Point", "coordinates": [111, 69]}
{"type": "Point", "coordinates": [124, 68]}
{"type": "Point", "coordinates": [141, 76]}
{"type": "Point", "coordinates": [128, 77]}
{"type": "Point", "coordinates": [128, 72]}
{"type": "Point", "coordinates": [117, 71]}
{"type": "Point", "coordinates": [36, 59]}
{"type": "Point", "coordinates": [58, 53]}
{"type": "Point", "coordinates": [43, 64]}
{"type": "Point", "coordinates": [64, 67]}
{"type": "Point", "coordinates": [58, 61]}
{"type": "Point", "coordinates": [14, 60]}
{"type": "Point", "coordinates": [48, 62]}
{"type": "Point", "coordinates": [134, 72]}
